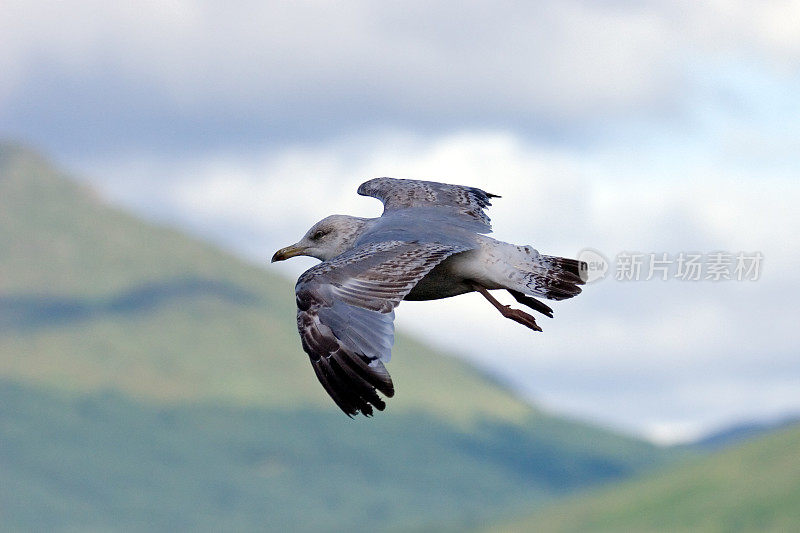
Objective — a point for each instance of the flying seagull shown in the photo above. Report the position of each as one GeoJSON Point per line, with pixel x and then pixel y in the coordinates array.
{"type": "Point", "coordinates": [429, 243]}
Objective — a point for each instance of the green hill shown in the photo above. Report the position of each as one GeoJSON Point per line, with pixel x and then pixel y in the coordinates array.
{"type": "Point", "coordinates": [751, 487]}
{"type": "Point", "coordinates": [742, 432]}
{"type": "Point", "coordinates": [150, 381]}
{"type": "Point", "coordinates": [153, 313]}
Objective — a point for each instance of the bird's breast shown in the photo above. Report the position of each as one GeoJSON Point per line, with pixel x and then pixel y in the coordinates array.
{"type": "Point", "coordinates": [445, 280]}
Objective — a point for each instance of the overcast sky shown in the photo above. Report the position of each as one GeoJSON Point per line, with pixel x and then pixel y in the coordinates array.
{"type": "Point", "coordinates": [652, 127]}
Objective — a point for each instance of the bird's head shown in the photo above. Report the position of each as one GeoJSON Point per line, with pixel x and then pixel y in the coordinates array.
{"type": "Point", "coordinates": [326, 239]}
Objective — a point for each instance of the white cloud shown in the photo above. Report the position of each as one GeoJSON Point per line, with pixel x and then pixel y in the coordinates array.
{"type": "Point", "coordinates": [326, 67]}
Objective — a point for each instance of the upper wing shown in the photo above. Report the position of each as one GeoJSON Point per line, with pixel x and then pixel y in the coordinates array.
{"type": "Point", "coordinates": [345, 314]}
{"type": "Point", "coordinates": [467, 203]}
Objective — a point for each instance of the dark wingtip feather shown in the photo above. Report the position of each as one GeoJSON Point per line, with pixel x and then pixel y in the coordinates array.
{"type": "Point", "coordinates": [342, 379]}
{"type": "Point", "coordinates": [377, 376]}
{"type": "Point", "coordinates": [326, 378]}
{"type": "Point", "coordinates": [355, 382]}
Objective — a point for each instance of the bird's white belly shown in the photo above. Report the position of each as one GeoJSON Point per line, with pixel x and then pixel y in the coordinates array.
{"type": "Point", "coordinates": [455, 276]}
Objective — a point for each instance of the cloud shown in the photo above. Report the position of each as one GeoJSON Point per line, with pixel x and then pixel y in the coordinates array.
{"type": "Point", "coordinates": [92, 76]}
{"type": "Point", "coordinates": [622, 126]}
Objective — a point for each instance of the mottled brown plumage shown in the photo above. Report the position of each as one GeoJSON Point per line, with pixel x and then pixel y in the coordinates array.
{"type": "Point", "coordinates": [428, 244]}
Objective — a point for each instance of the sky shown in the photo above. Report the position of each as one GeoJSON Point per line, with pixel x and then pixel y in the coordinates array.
{"type": "Point", "coordinates": [623, 127]}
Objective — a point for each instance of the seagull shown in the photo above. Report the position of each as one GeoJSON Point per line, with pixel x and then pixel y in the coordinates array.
{"type": "Point", "coordinates": [430, 243]}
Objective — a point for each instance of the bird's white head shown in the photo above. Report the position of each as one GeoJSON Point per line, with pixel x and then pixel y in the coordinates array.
{"type": "Point", "coordinates": [326, 239]}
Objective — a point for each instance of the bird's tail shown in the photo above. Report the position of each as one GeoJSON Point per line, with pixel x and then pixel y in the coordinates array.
{"type": "Point", "coordinates": [531, 273]}
{"type": "Point", "coordinates": [556, 278]}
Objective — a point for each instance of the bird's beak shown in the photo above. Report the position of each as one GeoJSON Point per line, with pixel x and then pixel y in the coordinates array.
{"type": "Point", "coordinates": [286, 253]}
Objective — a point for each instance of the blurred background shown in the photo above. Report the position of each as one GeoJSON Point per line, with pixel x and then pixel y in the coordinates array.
{"type": "Point", "coordinates": [155, 154]}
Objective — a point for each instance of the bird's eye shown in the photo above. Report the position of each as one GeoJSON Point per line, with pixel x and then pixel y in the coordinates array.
{"type": "Point", "coordinates": [317, 235]}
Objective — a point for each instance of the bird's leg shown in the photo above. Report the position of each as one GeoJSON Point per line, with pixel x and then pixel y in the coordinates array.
{"type": "Point", "coordinates": [507, 311]}
{"type": "Point", "coordinates": [533, 303]}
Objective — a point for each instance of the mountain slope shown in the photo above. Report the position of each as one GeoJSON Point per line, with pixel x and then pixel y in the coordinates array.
{"type": "Point", "coordinates": [151, 381]}
{"type": "Point", "coordinates": [80, 276]}
{"type": "Point", "coordinates": [742, 432]}
{"type": "Point", "coordinates": [751, 487]}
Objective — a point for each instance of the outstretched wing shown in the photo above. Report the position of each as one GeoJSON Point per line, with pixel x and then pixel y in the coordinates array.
{"type": "Point", "coordinates": [345, 315]}
{"type": "Point", "coordinates": [467, 203]}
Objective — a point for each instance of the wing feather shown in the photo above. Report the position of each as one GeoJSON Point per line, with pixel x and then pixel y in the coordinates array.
{"type": "Point", "coordinates": [345, 315]}
{"type": "Point", "coordinates": [467, 203]}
